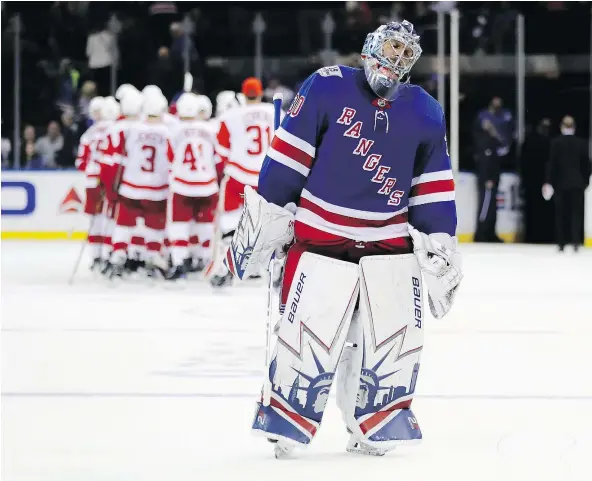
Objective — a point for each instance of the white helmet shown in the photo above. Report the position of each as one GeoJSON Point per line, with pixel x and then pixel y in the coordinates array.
{"type": "Point", "coordinates": [95, 106]}
{"type": "Point", "coordinates": [205, 107]}
{"type": "Point", "coordinates": [131, 103]}
{"type": "Point", "coordinates": [110, 109]}
{"type": "Point", "coordinates": [187, 105]}
{"type": "Point", "coordinates": [125, 89]}
{"type": "Point", "coordinates": [225, 100]}
{"type": "Point", "coordinates": [154, 106]}
{"type": "Point", "coordinates": [151, 91]}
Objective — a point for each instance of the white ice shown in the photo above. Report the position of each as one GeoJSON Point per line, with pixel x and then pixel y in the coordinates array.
{"type": "Point", "coordinates": [150, 383]}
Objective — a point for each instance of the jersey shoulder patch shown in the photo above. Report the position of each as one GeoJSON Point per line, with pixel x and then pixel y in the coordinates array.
{"type": "Point", "coordinates": [332, 71]}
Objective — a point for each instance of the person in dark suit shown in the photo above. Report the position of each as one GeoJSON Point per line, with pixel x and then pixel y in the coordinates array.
{"type": "Point", "coordinates": [539, 223]}
{"type": "Point", "coordinates": [568, 176]}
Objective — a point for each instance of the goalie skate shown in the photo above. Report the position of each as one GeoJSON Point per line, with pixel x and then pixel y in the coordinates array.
{"type": "Point", "coordinates": [358, 447]}
{"type": "Point", "coordinates": [282, 449]}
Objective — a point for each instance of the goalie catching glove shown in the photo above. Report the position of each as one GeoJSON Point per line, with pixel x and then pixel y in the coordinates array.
{"type": "Point", "coordinates": [263, 231]}
{"type": "Point", "coordinates": [440, 264]}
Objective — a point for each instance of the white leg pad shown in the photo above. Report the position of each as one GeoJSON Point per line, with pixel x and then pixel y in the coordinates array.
{"type": "Point", "coordinates": [385, 363]}
{"type": "Point", "coordinates": [311, 336]}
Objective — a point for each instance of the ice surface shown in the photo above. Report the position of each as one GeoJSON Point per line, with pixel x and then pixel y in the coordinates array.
{"type": "Point", "coordinates": [152, 383]}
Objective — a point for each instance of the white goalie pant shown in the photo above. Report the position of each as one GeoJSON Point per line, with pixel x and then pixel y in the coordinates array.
{"type": "Point", "coordinates": [365, 322]}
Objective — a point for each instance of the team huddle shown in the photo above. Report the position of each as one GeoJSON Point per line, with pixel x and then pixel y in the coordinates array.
{"type": "Point", "coordinates": [163, 191]}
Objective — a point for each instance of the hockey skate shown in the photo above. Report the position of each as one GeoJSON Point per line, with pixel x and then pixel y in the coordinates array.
{"type": "Point", "coordinates": [153, 272]}
{"type": "Point", "coordinates": [221, 281]}
{"type": "Point", "coordinates": [132, 265]}
{"type": "Point", "coordinates": [177, 273]}
{"type": "Point", "coordinates": [96, 265]}
{"type": "Point", "coordinates": [358, 447]}
{"type": "Point", "coordinates": [281, 449]}
{"type": "Point", "coordinates": [113, 271]}
{"type": "Point", "coordinates": [198, 265]}
{"type": "Point", "coordinates": [156, 267]}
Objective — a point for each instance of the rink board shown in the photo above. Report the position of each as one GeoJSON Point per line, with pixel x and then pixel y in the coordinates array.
{"type": "Point", "coordinates": [48, 205]}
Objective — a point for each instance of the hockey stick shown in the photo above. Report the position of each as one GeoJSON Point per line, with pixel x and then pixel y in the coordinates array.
{"type": "Point", "coordinates": [81, 253]}
{"type": "Point", "coordinates": [85, 241]}
{"type": "Point", "coordinates": [187, 82]}
{"type": "Point", "coordinates": [271, 269]}
{"type": "Point", "coordinates": [215, 261]}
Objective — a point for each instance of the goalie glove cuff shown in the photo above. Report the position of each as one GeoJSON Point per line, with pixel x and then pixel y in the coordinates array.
{"type": "Point", "coordinates": [263, 229]}
{"type": "Point", "coordinates": [441, 265]}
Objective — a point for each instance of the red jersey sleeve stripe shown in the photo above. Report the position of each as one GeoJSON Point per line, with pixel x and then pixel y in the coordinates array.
{"type": "Point", "coordinates": [433, 187]}
{"type": "Point", "coordinates": [292, 152]}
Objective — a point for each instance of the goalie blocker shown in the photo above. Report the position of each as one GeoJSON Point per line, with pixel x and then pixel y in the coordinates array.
{"type": "Point", "coordinates": [358, 324]}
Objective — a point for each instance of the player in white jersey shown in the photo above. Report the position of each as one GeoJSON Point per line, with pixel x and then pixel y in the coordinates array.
{"type": "Point", "coordinates": [194, 187]}
{"type": "Point", "coordinates": [131, 108]}
{"type": "Point", "coordinates": [154, 92]}
{"type": "Point", "coordinates": [137, 247]}
{"type": "Point", "coordinates": [243, 138]}
{"type": "Point", "coordinates": [86, 162]}
{"type": "Point", "coordinates": [123, 90]}
{"type": "Point", "coordinates": [97, 200]}
{"type": "Point", "coordinates": [205, 108]}
{"type": "Point", "coordinates": [225, 100]}
{"type": "Point", "coordinates": [145, 154]}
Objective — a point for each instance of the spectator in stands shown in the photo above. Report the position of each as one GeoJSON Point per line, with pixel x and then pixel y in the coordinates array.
{"type": "Point", "coordinates": [6, 148]}
{"type": "Point", "coordinates": [48, 145]}
{"type": "Point", "coordinates": [275, 86]}
{"type": "Point", "coordinates": [502, 30]}
{"type": "Point", "coordinates": [68, 85]}
{"type": "Point", "coordinates": [162, 73]}
{"type": "Point", "coordinates": [358, 22]}
{"type": "Point", "coordinates": [359, 14]}
{"type": "Point", "coordinates": [101, 49]}
{"type": "Point", "coordinates": [30, 158]}
{"type": "Point", "coordinates": [87, 92]}
{"type": "Point", "coordinates": [181, 43]}
{"type": "Point", "coordinates": [6, 151]}
{"type": "Point", "coordinates": [70, 132]}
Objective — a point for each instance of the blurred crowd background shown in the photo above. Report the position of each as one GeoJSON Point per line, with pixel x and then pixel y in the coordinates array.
{"type": "Point", "coordinates": [72, 51]}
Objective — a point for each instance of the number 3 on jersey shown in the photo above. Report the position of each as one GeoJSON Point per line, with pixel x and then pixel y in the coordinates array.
{"type": "Point", "coordinates": [150, 157]}
{"type": "Point", "coordinates": [256, 134]}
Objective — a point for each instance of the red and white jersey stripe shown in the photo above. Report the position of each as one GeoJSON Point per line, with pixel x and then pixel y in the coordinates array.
{"type": "Point", "coordinates": [291, 151]}
{"type": "Point", "coordinates": [432, 187]}
{"type": "Point", "coordinates": [353, 224]}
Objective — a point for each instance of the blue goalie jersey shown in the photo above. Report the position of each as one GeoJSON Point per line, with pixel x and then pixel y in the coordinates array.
{"type": "Point", "coordinates": [358, 167]}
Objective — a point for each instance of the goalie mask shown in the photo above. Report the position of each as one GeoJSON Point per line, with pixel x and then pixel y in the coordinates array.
{"type": "Point", "coordinates": [388, 54]}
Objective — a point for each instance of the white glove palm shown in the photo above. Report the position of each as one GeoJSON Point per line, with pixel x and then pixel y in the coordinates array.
{"type": "Point", "coordinates": [440, 264]}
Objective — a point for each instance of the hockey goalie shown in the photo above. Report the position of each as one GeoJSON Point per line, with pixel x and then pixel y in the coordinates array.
{"type": "Point", "coordinates": [356, 194]}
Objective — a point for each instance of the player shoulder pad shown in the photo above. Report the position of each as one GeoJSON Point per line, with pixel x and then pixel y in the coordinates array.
{"type": "Point", "coordinates": [332, 71]}
{"type": "Point", "coordinates": [425, 103]}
